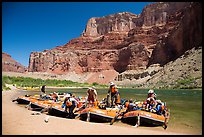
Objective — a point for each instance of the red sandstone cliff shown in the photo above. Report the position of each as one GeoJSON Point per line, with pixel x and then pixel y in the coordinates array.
{"type": "Point", "coordinates": [10, 65]}
{"type": "Point", "coordinates": [186, 34]}
{"type": "Point", "coordinates": [125, 41]}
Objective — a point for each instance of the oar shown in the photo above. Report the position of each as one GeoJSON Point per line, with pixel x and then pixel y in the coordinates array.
{"type": "Point", "coordinates": [167, 115]}
{"type": "Point", "coordinates": [88, 116]}
{"type": "Point", "coordinates": [44, 110]}
{"type": "Point", "coordinates": [118, 114]}
{"type": "Point", "coordinates": [108, 100]}
{"type": "Point", "coordinates": [79, 109]}
{"type": "Point", "coordinates": [138, 121]}
{"type": "Point", "coordinates": [14, 100]}
{"type": "Point", "coordinates": [28, 106]}
{"type": "Point", "coordinates": [77, 116]}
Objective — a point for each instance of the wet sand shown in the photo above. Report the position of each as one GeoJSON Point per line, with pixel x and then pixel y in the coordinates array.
{"type": "Point", "coordinates": [17, 120]}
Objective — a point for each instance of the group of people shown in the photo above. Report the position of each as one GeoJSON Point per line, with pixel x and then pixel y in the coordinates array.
{"type": "Point", "coordinates": [113, 96]}
{"type": "Point", "coordinates": [151, 104]}
{"type": "Point", "coordinates": [70, 102]}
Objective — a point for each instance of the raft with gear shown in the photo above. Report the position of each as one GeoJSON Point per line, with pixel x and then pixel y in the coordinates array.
{"type": "Point", "coordinates": [26, 99]}
{"type": "Point", "coordinates": [95, 114]}
{"type": "Point", "coordinates": [146, 118]}
{"type": "Point", "coordinates": [56, 110]}
{"type": "Point", "coordinates": [39, 104]}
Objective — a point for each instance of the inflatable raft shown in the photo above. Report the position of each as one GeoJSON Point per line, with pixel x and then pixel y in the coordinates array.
{"type": "Point", "coordinates": [56, 110]}
{"type": "Point", "coordinates": [25, 99]}
{"type": "Point", "coordinates": [39, 104]}
{"type": "Point", "coordinates": [99, 115]}
{"type": "Point", "coordinates": [141, 117]}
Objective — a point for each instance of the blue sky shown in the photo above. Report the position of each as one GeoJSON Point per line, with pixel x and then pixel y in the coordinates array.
{"type": "Point", "coordinates": [36, 26]}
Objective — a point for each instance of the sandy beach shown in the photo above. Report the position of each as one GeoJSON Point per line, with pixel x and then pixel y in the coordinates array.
{"type": "Point", "coordinates": [17, 120]}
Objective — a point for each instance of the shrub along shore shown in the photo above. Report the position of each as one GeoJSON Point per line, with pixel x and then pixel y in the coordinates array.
{"type": "Point", "coordinates": [32, 83]}
{"type": "Point", "coordinates": [28, 83]}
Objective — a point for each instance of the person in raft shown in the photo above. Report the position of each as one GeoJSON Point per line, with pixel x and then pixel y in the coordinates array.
{"type": "Point", "coordinates": [115, 95]}
{"type": "Point", "coordinates": [71, 103]}
{"type": "Point", "coordinates": [92, 96]}
{"type": "Point", "coordinates": [55, 97]}
{"type": "Point", "coordinates": [151, 100]}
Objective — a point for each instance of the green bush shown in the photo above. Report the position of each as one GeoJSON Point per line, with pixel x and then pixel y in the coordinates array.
{"type": "Point", "coordinates": [95, 84]}
{"type": "Point", "coordinates": [31, 82]}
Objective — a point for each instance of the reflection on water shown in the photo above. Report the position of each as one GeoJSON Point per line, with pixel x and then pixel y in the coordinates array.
{"type": "Point", "coordinates": [185, 105]}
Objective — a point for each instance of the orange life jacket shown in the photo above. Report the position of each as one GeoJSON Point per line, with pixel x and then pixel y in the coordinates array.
{"type": "Point", "coordinates": [96, 103]}
{"type": "Point", "coordinates": [68, 103]}
{"type": "Point", "coordinates": [127, 104]}
{"type": "Point", "coordinates": [113, 89]}
{"type": "Point", "coordinates": [162, 107]}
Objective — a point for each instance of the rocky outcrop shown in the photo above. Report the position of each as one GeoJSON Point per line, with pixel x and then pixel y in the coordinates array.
{"type": "Point", "coordinates": [159, 14]}
{"type": "Point", "coordinates": [184, 36]}
{"type": "Point", "coordinates": [10, 65]}
{"type": "Point", "coordinates": [125, 41]}
{"type": "Point", "coordinates": [184, 72]}
{"type": "Point", "coordinates": [120, 22]}
{"type": "Point", "coordinates": [73, 60]}
{"type": "Point", "coordinates": [133, 57]}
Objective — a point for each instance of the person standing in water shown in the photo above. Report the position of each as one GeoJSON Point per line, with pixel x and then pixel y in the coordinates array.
{"type": "Point", "coordinates": [42, 91]}
{"type": "Point", "coordinates": [92, 95]}
{"type": "Point", "coordinates": [115, 95]}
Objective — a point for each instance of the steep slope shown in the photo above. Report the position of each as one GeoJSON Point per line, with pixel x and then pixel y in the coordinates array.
{"type": "Point", "coordinates": [184, 72]}
{"type": "Point", "coordinates": [10, 65]}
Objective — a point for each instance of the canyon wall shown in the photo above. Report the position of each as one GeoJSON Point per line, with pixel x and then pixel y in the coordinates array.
{"type": "Point", "coordinates": [11, 65]}
{"type": "Point", "coordinates": [125, 41]}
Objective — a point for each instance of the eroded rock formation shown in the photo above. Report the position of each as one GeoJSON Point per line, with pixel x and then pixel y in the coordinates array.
{"type": "Point", "coordinates": [10, 65]}
{"type": "Point", "coordinates": [125, 41]}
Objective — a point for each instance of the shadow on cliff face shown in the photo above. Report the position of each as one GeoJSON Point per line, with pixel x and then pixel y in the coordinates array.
{"type": "Point", "coordinates": [185, 36]}
{"type": "Point", "coordinates": [123, 60]}
{"type": "Point", "coordinates": [133, 57]}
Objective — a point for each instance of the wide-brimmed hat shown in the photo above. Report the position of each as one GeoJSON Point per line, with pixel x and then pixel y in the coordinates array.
{"type": "Point", "coordinates": [151, 91]}
{"type": "Point", "coordinates": [111, 84]}
{"type": "Point", "coordinates": [159, 101]}
{"type": "Point", "coordinates": [93, 87]}
{"type": "Point", "coordinates": [67, 96]}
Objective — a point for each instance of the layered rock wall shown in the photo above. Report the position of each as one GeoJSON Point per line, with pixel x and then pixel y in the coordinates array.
{"type": "Point", "coordinates": [73, 60]}
{"type": "Point", "coordinates": [120, 22]}
{"type": "Point", "coordinates": [10, 65]}
{"type": "Point", "coordinates": [186, 35]}
{"type": "Point", "coordinates": [125, 41]}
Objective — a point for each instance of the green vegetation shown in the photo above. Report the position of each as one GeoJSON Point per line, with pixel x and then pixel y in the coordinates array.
{"type": "Point", "coordinates": [4, 87]}
{"type": "Point", "coordinates": [31, 82]}
{"type": "Point", "coordinates": [95, 83]}
{"type": "Point", "coordinates": [25, 82]}
{"type": "Point", "coordinates": [188, 83]}
{"type": "Point", "coordinates": [185, 81]}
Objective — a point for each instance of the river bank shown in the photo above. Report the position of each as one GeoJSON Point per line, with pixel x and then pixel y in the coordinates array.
{"type": "Point", "coordinates": [17, 120]}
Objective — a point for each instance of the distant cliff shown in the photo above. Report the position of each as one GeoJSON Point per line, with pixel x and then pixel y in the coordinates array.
{"type": "Point", "coordinates": [125, 41]}
{"type": "Point", "coordinates": [10, 65]}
